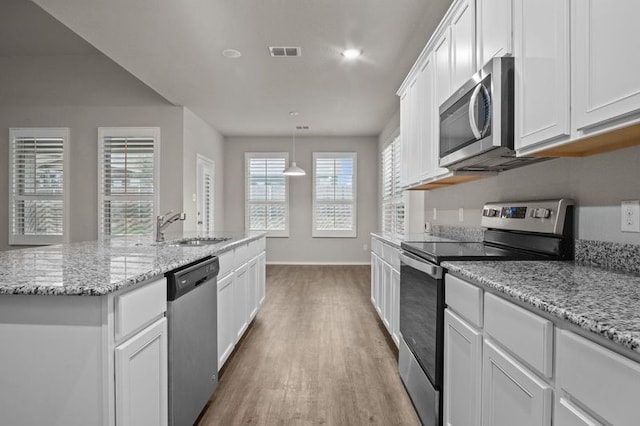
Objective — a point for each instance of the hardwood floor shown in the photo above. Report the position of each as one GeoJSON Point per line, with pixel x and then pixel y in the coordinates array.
{"type": "Point", "coordinates": [316, 354]}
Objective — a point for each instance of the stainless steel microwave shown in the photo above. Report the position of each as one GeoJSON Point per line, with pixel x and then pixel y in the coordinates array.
{"type": "Point", "coordinates": [477, 122]}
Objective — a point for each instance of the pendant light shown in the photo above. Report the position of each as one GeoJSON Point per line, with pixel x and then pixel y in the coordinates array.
{"type": "Point", "coordinates": [293, 169]}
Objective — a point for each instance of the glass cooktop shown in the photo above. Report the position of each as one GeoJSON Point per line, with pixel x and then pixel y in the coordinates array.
{"type": "Point", "coordinates": [440, 251]}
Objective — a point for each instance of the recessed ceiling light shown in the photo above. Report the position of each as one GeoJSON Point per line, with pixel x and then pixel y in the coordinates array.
{"type": "Point", "coordinates": [231, 53]}
{"type": "Point", "coordinates": [293, 113]}
{"type": "Point", "coordinates": [351, 53]}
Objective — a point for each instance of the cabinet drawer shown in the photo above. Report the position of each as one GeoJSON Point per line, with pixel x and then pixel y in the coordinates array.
{"type": "Point", "coordinates": [376, 246]}
{"type": "Point", "coordinates": [138, 307]}
{"type": "Point", "coordinates": [262, 245]}
{"type": "Point", "coordinates": [254, 249]}
{"type": "Point", "coordinates": [601, 380]}
{"type": "Point", "coordinates": [464, 298]}
{"type": "Point", "coordinates": [226, 260]}
{"type": "Point", "coordinates": [241, 255]}
{"type": "Point", "coordinates": [391, 255]}
{"type": "Point", "coordinates": [527, 335]}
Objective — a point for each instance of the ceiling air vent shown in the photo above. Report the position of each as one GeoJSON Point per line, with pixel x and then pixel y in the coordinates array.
{"type": "Point", "coordinates": [282, 52]}
{"type": "Point", "coordinates": [302, 127]}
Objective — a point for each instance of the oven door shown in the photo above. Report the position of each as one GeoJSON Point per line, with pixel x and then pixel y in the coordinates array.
{"type": "Point", "coordinates": [422, 313]}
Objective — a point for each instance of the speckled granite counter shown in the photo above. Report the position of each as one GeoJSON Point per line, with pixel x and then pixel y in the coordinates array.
{"type": "Point", "coordinates": [96, 268]}
{"type": "Point", "coordinates": [601, 301]}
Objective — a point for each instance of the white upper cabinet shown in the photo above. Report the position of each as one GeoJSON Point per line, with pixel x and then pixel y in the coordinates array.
{"type": "Point", "coordinates": [606, 63]}
{"type": "Point", "coordinates": [493, 25]}
{"type": "Point", "coordinates": [428, 122]}
{"type": "Point", "coordinates": [442, 62]}
{"type": "Point", "coordinates": [463, 43]}
{"type": "Point", "coordinates": [404, 138]}
{"type": "Point", "coordinates": [542, 80]}
{"type": "Point", "coordinates": [410, 134]}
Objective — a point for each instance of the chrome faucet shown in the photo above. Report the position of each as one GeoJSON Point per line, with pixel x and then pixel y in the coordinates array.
{"type": "Point", "coordinates": [162, 223]}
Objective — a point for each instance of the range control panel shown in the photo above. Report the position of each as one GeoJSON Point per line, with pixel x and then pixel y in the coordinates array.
{"type": "Point", "coordinates": [545, 216]}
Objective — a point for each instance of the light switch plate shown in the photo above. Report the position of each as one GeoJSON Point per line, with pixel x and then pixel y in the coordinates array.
{"type": "Point", "coordinates": [630, 216]}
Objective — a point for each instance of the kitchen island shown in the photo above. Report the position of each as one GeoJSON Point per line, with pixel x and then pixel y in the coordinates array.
{"type": "Point", "coordinates": [83, 327]}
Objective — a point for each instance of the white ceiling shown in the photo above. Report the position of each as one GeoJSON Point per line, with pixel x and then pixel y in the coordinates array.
{"type": "Point", "coordinates": [175, 48]}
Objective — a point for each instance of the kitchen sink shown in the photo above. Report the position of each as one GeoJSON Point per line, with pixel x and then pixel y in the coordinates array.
{"type": "Point", "coordinates": [191, 242]}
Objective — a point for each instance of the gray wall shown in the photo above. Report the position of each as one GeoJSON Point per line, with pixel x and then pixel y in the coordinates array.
{"type": "Point", "coordinates": [300, 247]}
{"type": "Point", "coordinates": [85, 92]}
{"type": "Point", "coordinates": [201, 138]}
{"type": "Point", "coordinates": [597, 183]}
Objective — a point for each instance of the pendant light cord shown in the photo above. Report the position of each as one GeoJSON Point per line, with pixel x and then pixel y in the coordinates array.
{"type": "Point", "coordinates": [294, 145]}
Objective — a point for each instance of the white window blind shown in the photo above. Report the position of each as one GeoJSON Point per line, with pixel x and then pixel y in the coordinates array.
{"type": "Point", "coordinates": [38, 186]}
{"type": "Point", "coordinates": [267, 193]}
{"type": "Point", "coordinates": [334, 194]}
{"type": "Point", "coordinates": [128, 179]}
{"type": "Point", "coordinates": [392, 198]}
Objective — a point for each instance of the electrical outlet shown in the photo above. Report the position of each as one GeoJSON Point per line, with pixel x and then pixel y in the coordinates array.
{"type": "Point", "coordinates": [365, 247]}
{"type": "Point", "coordinates": [461, 214]}
{"type": "Point", "coordinates": [630, 216]}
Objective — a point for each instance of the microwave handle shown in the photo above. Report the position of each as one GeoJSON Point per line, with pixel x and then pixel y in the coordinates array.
{"type": "Point", "coordinates": [473, 102]}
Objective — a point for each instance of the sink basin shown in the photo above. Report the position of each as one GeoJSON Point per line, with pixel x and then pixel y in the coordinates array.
{"type": "Point", "coordinates": [201, 241]}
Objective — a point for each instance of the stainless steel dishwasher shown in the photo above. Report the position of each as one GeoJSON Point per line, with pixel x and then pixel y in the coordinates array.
{"type": "Point", "coordinates": [193, 341]}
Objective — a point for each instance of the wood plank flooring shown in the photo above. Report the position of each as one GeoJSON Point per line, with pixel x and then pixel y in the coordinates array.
{"type": "Point", "coordinates": [316, 354]}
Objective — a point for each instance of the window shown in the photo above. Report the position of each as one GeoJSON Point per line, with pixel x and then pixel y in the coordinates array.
{"type": "Point", "coordinates": [38, 186]}
{"type": "Point", "coordinates": [392, 198]}
{"type": "Point", "coordinates": [205, 188]}
{"type": "Point", "coordinates": [267, 193]}
{"type": "Point", "coordinates": [334, 194]}
{"type": "Point", "coordinates": [127, 181]}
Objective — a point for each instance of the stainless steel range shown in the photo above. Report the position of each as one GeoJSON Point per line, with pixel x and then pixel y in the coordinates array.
{"type": "Point", "coordinates": [522, 230]}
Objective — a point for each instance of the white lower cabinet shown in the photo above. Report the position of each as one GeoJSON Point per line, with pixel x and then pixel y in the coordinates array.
{"type": "Point", "coordinates": [395, 306]}
{"type": "Point", "coordinates": [588, 384]}
{"type": "Point", "coordinates": [567, 414]}
{"type": "Point", "coordinates": [253, 287]}
{"type": "Point", "coordinates": [605, 384]}
{"type": "Point", "coordinates": [511, 394]}
{"type": "Point", "coordinates": [262, 277]}
{"type": "Point", "coordinates": [241, 292]}
{"type": "Point", "coordinates": [226, 319]}
{"type": "Point", "coordinates": [385, 287]}
{"type": "Point", "coordinates": [141, 378]}
{"type": "Point", "coordinates": [462, 372]}
{"type": "Point", "coordinates": [241, 301]}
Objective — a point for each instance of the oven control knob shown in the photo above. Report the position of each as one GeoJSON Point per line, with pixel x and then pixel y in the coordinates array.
{"type": "Point", "coordinates": [490, 212]}
{"type": "Point", "coordinates": [541, 213]}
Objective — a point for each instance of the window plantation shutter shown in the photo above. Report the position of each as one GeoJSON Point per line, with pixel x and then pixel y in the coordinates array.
{"type": "Point", "coordinates": [267, 193]}
{"type": "Point", "coordinates": [334, 195]}
{"type": "Point", "coordinates": [387, 189]}
{"type": "Point", "coordinates": [392, 200]}
{"type": "Point", "coordinates": [37, 186]}
{"type": "Point", "coordinates": [397, 192]}
{"type": "Point", "coordinates": [127, 184]}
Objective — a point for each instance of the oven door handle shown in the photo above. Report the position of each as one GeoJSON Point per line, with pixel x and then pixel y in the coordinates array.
{"type": "Point", "coordinates": [421, 265]}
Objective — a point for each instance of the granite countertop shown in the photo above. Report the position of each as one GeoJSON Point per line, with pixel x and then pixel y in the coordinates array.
{"type": "Point", "coordinates": [96, 268]}
{"type": "Point", "coordinates": [601, 301]}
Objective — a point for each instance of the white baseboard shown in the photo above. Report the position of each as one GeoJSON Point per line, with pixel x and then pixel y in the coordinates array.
{"type": "Point", "coordinates": [318, 263]}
